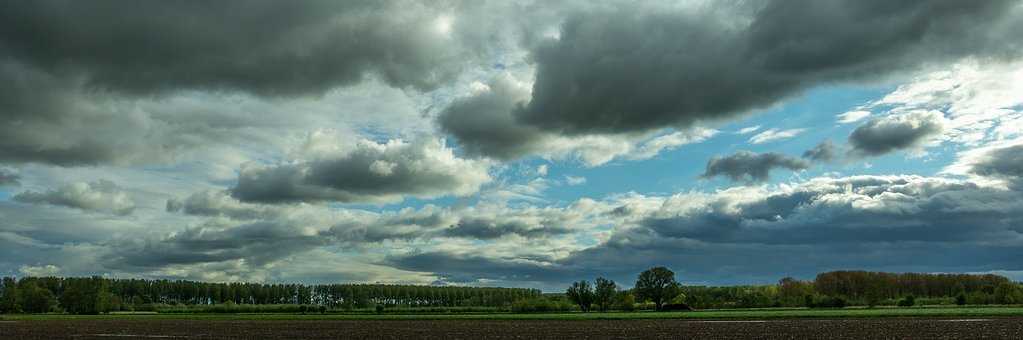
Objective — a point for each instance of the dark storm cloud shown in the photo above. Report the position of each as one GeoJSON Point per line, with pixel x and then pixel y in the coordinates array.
{"type": "Point", "coordinates": [823, 152]}
{"type": "Point", "coordinates": [8, 178]}
{"type": "Point", "coordinates": [892, 133]}
{"type": "Point", "coordinates": [74, 72]}
{"type": "Point", "coordinates": [484, 126]}
{"type": "Point", "coordinates": [267, 47]}
{"type": "Point", "coordinates": [100, 196]}
{"type": "Point", "coordinates": [750, 166]}
{"type": "Point", "coordinates": [626, 71]}
{"type": "Point", "coordinates": [371, 173]}
{"type": "Point", "coordinates": [630, 69]}
{"type": "Point", "coordinates": [1002, 163]}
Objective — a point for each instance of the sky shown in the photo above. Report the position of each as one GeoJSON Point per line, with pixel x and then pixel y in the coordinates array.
{"type": "Point", "coordinates": [509, 143]}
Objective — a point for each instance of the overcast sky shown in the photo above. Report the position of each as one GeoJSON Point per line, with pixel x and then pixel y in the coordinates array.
{"type": "Point", "coordinates": [510, 143]}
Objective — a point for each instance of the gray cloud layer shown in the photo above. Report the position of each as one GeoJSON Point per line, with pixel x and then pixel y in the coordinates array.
{"type": "Point", "coordinates": [750, 166]}
{"type": "Point", "coordinates": [8, 178]}
{"type": "Point", "coordinates": [259, 46]}
{"type": "Point", "coordinates": [628, 69]}
{"type": "Point", "coordinates": [896, 132]}
{"type": "Point", "coordinates": [906, 223]}
{"type": "Point", "coordinates": [78, 75]}
{"type": "Point", "coordinates": [100, 196]}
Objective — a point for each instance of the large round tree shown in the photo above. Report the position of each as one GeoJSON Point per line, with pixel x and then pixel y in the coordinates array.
{"type": "Point", "coordinates": [657, 285]}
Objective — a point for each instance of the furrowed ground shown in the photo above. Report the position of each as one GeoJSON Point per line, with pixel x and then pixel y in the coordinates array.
{"type": "Point", "coordinates": [848, 323]}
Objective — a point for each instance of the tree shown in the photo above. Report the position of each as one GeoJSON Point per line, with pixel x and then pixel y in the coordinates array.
{"type": "Point", "coordinates": [581, 294]}
{"type": "Point", "coordinates": [657, 285]}
{"type": "Point", "coordinates": [604, 293]}
{"type": "Point", "coordinates": [35, 299]}
{"type": "Point", "coordinates": [1008, 293]}
{"type": "Point", "coordinates": [9, 296]}
{"type": "Point", "coordinates": [86, 295]}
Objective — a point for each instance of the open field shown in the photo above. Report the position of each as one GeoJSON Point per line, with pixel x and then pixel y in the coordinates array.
{"type": "Point", "coordinates": [768, 313]}
{"type": "Point", "coordinates": [844, 328]}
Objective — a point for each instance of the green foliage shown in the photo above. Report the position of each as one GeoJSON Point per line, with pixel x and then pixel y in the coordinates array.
{"type": "Point", "coordinates": [827, 302]}
{"type": "Point", "coordinates": [9, 296]}
{"type": "Point", "coordinates": [907, 301]}
{"type": "Point", "coordinates": [625, 301]}
{"type": "Point", "coordinates": [581, 293]}
{"type": "Point", "coordinates": [657, 285]}
{"type": "Point", "coordinates": [539, 305]}
{"type": "Point", "coordinates": [604, 293]}
{"type": "Point", "coordinates": [35, 299]}
{"type": "Point", "coordinates": [86, 295]}
{"type": "Point", "coordinates": [1008, 293]}
{"type": "Point", "coordinates": [961, 299]}
{"type": "Point", "coordinates": [380, 309]}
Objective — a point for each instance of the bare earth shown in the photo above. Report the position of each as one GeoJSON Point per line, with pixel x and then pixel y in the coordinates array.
{"type": "Point", "coordinates": [890, 328]}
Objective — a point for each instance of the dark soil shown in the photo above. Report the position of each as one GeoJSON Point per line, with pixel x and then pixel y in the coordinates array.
{"type": "Point", "coordinates": [889, 328]}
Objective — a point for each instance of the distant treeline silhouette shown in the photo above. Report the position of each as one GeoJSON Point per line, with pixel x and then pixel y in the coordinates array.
{"type": "Point", "coordinates": [42, 294]}
{"type": "Point", "coordinates": [654, 289]}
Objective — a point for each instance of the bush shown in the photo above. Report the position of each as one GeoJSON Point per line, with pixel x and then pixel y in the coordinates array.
{"type": "Point", "coordinates": [961, 299]}
{"type": "Point", "coordinates": [380, 309]}
{"type": "Point", "coordinates": [625, 301]}
{"type": "Point", "coordinates": [539, 305]}
{"type": "Point", "coordinates": [907, 301]}
{"type": "Point", "coordinates": [827, 302]}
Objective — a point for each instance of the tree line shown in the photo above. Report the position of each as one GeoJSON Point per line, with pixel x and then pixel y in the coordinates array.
{"type": "Point", "coordinates": [656, 288]}
{"type": "Point", "coordinates": [96, 294]}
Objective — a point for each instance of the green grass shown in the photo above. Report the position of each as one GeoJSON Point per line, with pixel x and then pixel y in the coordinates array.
{"type": "Point", "coordinates": [707, 314]}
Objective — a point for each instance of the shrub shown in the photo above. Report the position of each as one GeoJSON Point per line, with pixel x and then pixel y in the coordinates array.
{"type": "Point", "coordinates": [539, 305]}
{"type": "Point", "coordinates": [827, 302]}
{"type": "Point", "coordinates": [907, 301]}
{"type": "Point", "coordinates": [961, 299]}
{"type": "Point", "coordinates": [380, 309]}
{"type": "Point", "coordinates": [625, 301]}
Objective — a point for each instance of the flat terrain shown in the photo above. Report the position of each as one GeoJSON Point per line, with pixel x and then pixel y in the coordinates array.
{"type": "Point", "coordinates": [848, 328]}
{"type": "Point", "coordinates": [760, 313]}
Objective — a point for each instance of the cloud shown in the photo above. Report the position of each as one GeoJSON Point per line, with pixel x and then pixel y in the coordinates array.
{"type": "Point", "coordinates": [636, 68]}
{"type": "Point", "coordinates": [896, 132]}
{"type": "Point", "coordinates": [490, 228]}
{"type": "Point", "coordinates": [8, 178]}
{"type": "Point", "coordinates": [750, 166]}
{"type": "Point", "coordinates": [823, 152]}
{"type": "Point", "coordinates": [575, 180]}
{"type": "Point", "coordinates": [755, 234]}
{"type": "Point", "coordinates": [93, 85]}
{"type": "Point", "coordinates": [853, 116]}
{"type": "Point", "coordinates": [99, 196]}
{"type": "Point", "coordinates": [39, 271]}
{"type": "Point", "coordinates": [999, 162]}
{"type": "Point", "coordinates": [772, 135]}
{"type": "Point", "coordinates": [541, 170]}
{"type": "Point", "coordinates": [368, 173]}
{"type": "Point", "coordinates": [484, 125]}
{"type": "Point", "coordinates": [268, 47]}
{"type": "Point", "coordinates": [748, 130]}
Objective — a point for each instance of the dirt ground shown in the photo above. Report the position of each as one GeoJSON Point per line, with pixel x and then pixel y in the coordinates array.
{"type": "Point", "coordinates": [889, 328]}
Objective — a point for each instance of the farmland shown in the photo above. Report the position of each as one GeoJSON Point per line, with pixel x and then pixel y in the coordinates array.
{"type": "Point", "coordinates": [456, 328]}
{"type": "Point", "coordinates": [845, 323]}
